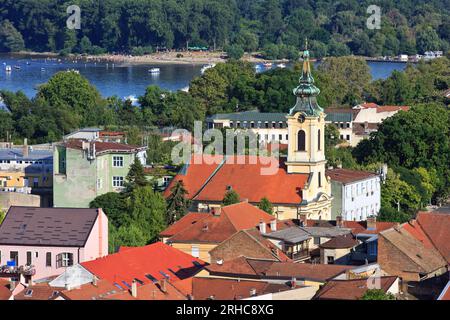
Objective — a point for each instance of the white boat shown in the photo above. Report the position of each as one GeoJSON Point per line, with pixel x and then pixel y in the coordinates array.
{"type": "Point", "coordinates": [268, 64]}
{"type": "Point", "coordinates": [8, 68]}
{"type": "Point", "coordinates": [206, 67]}
{"type": "Point", "coordinates": [281, 65]}
{"type": "Point", "coordinates": [154, 70]}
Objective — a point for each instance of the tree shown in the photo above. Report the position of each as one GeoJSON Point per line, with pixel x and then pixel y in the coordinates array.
{"type": "Point", "coordinates": [136, 176]}
{"type": "Point", "coordinates": [234, 52]}
{"type": "Point", "coordinates": [177, 203]}
{"type": "Point", "coordinates": [85, 45]}
{"type": "Point", "coordinates": [231, 197]}
{"type": "Point", "coordinates": [377, 294]}
{"type": "Point", "coordinates": [115, 207]}
{"type": "Point", "coordinates": [266, 205]}
{"type": "Point", "coordinates": [148, 212]}
{"type": "Point", "coordinates": [427, 40]}
{"type": "Point", "coordinates": [10, 39]}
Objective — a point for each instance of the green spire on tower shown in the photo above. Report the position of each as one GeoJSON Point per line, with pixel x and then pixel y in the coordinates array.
{"type": "Point", "coordinates": [306, 92]}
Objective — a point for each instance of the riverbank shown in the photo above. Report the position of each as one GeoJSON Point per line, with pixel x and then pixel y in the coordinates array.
{"type": "Point", "coordinates": [171, 57]}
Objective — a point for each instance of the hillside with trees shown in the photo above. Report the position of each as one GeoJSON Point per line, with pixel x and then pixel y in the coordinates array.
{"type": "Point", "coordinates": [275, 27]}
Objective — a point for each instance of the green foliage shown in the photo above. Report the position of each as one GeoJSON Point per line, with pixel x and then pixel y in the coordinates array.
{"type": "Point", "coordinates": [114, 205]}
{"type": "Point", "coordinates": [2, 215]}
{"type": "Point", "coordinates": [338, 28]}
{"type": "Point", "coordinates": [177, 203]}
{"type": "Point", "coordinates": [377, 294]}
{"type": "Point", "coordinates": [234, 51]}
{"type": "Point", "coordinates": [231, 197]}
{"type": "Point", "coordinates": [136, 176]}
{"type": "Point", "coordinates": [266, 205]}
{"type": "Point", "coordinates": [10, 39]}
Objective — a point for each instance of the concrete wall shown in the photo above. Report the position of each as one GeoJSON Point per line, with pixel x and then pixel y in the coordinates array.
{"type": "Point", "coordinates": [303, 293]}
{"type": "Point", "coordinates": [8, 199]}
{"type": "Point", "coordinates": [341, 256]}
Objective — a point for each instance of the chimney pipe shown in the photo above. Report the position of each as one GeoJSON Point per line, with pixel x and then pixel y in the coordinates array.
{"type": "Point", "coordinates": [371, 223]}
{"type": "Point", "coordinates": [339, 222]}
{"type": "Point", "coordinates": [163, 285]}
{"type": "Point", "coordinates": [217, 211]}
{"type": "Point", "coordinates": [262, 227]}
{"type": "Point", "coordinates": [293, 283]}
{"type": "Point", "coordinates": [134, 292]}
{"type": "Point", "coordinates": [273, 225]}
{"type": "Point", "coordinates": [25, 148]}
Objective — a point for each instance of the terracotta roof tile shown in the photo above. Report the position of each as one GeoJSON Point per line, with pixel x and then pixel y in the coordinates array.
{"type": "Point", "coordinates": [350, 289]}
{"type": "Point", "coordinates": [103, 147]}
{"type": "Point", "coordinates": [340, 242]}
{"type": "Point", "coordinates": [184, 223]}
{"type": "Point", "coordinates": [156, 260]}
{"type": "Point", "coordinates": [217, 228]}
{"type": "Point", "coordinates": [90, 291]}
{"type": "Point", "coordinates": [5, 292]}
{"type": "Point", "coordinates": [209, 182]}
{"type": "Point", "coordinates": [437, 228]}
{"type": "Point", "coordinates": [39, 291]}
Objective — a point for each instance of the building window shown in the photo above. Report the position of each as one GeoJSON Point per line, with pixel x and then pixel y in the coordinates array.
{"type": "Point", "coordinates": [348, 124]}
{"type": "Point", "coordinates": [281, 137]}
{"type": "Point", "coordinates": [118, 181]}
{"type": "Point", "coordinates": [301, 141]}
{"type": "Point", "coordinates": [252, 124]}
{"type": "Point", "coordinates": [64, 259]}
{"type": "Point", "coordinates": [348, 137]}
{"type": "Point", "coordinates": [14, 256]}
{"type": "Point", "coordinates": [117, 161]}
{"type": "Point", "coordinates": [330, 260]}
{"type": "Point", "coordinates": [195, 252]}
{"type": "Point", "coordinates": [48, 259]}
{"type": "Point", "coordinates": [318, 140]}
{"type": "Point", "coordinates": [320, 179]}
{"type": "Point", "coordinates": [28, 258]}
{"type": "Point", "coordinates": [316, 240]}
{"type": "Point", "coordinates": [99, 183]}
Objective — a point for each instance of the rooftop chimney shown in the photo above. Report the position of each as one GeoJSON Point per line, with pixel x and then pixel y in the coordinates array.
{"type": "Point", "coordinates": [262, 227]}
{"type": "Point", "coordinates": [245, 200]}
{"type": "Point", "coordinates": [94, 281]}
{"type": "Point", "coordinates": [273, 225]}
{"type": "Point", "coordinates": [25, 148]}
{"type": "Point", "coordinates": [219, 262]}
{"type": "Point", "coordinates": [302, 219]}
{"type": "Point", "coordinates": [293, 283]}
{"type": "Point", "coordinates": [339, 222]}
{"type": "Point", "coordinates": [252, 292]}
{"type": "Point", "coordinates": [371, 223]}
{"type": "Point", "coordinates": [134, 292]}
{"type": "Point", "coordinates": [163, 285]}
{"type": "Point", "coordinates": [217, 211]}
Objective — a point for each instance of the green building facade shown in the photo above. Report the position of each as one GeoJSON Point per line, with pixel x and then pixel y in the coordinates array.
{"type": "Point", "coordinates": [84, 170]}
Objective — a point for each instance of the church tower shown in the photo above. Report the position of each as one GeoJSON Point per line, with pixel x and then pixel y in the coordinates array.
{"type": "Point", "coordinates": [306, 151]}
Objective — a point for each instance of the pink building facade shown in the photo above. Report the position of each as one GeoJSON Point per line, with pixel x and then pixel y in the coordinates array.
{"type": "Point", "coordinates": [49, 240]}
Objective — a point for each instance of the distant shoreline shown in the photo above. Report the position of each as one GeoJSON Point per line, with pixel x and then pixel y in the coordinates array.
{"type": "Point", "coordinates": [173, 57]}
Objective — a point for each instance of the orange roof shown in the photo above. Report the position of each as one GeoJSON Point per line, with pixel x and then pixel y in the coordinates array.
{"type": "Point", "coordinates": [216, 228]}
{"type": "Point", "coordinates": [437, 226]}
{"type": "Point", "coordinates": [101, 147]}
{"type": "Point", "coordinates": [155, 260]}
{"type": "Point", "coordinates": [392, 108]}
{"type": "Point", "coordinates": [39, 291]}
{"type": "Point", "coordinates": [90, 291]}
{"type": "Point", "coordinates": [445, 294]}
{"type": "Point", "coordinates": [5, 292]}
{"type": "Point", "coordinates": [350, 289]}
{"type": "Point", "coordinates": [185, 222]}
{"type": "Point", "coordinates": [210, 182]}
{"type": "Point", "coordinates": [416, 231]}
{"type": "Point", "coordinates": [361, 226]}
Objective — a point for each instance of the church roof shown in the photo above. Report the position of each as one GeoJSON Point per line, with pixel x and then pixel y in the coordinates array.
{"type": "Point", "coordinates": [207, 181]}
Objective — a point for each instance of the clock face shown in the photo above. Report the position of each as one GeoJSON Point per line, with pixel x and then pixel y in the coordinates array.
{"type": "Point", "coordinates": [301, 118]}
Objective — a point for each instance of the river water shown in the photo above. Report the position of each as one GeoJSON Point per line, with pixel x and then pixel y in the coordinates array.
{"type": "Point", "coordinates": [120, 80]}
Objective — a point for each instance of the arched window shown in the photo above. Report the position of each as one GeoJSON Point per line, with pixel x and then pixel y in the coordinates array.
{"type": "Point", "coordinates": [301, 142]}
{"type": "Point", "coordinates": [318, 141]}
{"type": "Point", "coordinates": [64, 259]}
{"type": "Point", "coordinates": [320, 179]}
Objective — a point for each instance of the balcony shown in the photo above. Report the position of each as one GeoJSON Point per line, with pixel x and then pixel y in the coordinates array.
{"type": "Point", "coordinates": [299, 255]}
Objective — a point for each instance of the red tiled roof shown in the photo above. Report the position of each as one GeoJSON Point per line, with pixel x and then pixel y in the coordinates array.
{"type": "Point", "coordinates": [340, 242]}
{"type": "Point", "coordinates": [101, 147]}
{"type": "Point", "coordinates": [185, 222]}
{"type": "Point", "coordinates": [40, 291]}
{"type": "Point", "coordinates": [246, 179]}
{"type": "Point", "coordinates": [260, 268]}
{"type": "Point", "coordinates": [152, 259]}
{"type": "Point", "coordinates": [348, 175]}
{"type": "Point", "coordinates": [90, 291]}
{"type": "Point", "coordinates": [361, 226]}
{"type": "Point", "coordinates": [111, 133]}
{"type": "Point", "coordinates": [369, 105]}
{"type": "Point", "coordinates": [350, 289]}
{"type": "Point", "coordinates": [5, 292]}
{"type": "Point", "coordinates": [230, 289]}
{"type": "Point", "coordinates": [392, 108]}
{"type": "Point", "coordinates": [445, 294]}
{"type": "Point", "coordinates": [217, 228]}
{"type": "Point", "coordinates": [437, 228]}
